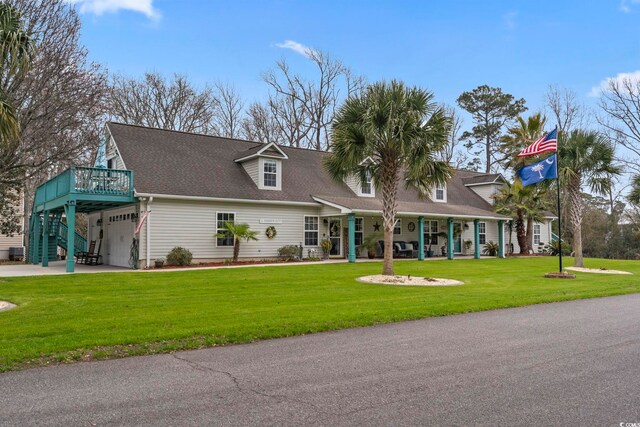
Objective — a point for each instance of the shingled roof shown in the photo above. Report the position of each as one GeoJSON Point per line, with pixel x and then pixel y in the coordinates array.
{"type": "Point", "coordinates": [185, 164]}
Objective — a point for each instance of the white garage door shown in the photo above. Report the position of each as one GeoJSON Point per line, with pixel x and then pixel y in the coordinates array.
{"type": "Point", "coordinates": [119, 235]}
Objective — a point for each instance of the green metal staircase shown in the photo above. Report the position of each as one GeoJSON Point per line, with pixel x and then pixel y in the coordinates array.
{"type": "Point", "coordinates": [57, 231]}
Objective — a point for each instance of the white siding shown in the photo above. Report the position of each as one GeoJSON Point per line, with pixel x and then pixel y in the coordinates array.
{"type": "Point", "coordinates": [251, 167]}
{"type": "Point", "coordinates": [486, 191]}
{"type": "Point", "coordinates": [192, 225]}
{"type": "Point", "coordinates": [16, 240]}
{"type": "Point", "coordinates": [353, 183]}
{"type": "Point", "coordinates": [112, 153]}
{"type": "Point", "coordinates": [545, 237]}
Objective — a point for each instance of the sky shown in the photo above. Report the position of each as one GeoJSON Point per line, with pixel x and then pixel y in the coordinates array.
{"type": "Point", "coordinates": [445, 46]}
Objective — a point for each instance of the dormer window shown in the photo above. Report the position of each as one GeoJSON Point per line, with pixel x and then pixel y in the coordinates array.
{"type": "Point", "coordinates": [367, 184]}
{"type": "Point", "coordinates": [440, 194]}
{"type": "Point", "coordinates": [270, 168]}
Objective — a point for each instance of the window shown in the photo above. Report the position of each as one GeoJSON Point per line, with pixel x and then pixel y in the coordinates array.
{"type": "Point", "coordinates": [367, 187]}
{"type": "Point", "coordinates": [482, 230]}
{"type": "Point", "coordinates": [359, 231]}
{"type": "Point", "coordinates": [110, 163]}
{"type": "Point", "coordinates": [311, 230]}
{"type": "Point", "coordinates": [431, 232]}
{"type": "Point", "coordinates": [270, 169]}
{"type": "Point", "coordinates": [223, 217]}
{"type": "Point", "coordinates": [439, 194]}
{"type": "Point", "coordinates": [536, 234]}
{"type": "Point", "coordinates": [397, 229]}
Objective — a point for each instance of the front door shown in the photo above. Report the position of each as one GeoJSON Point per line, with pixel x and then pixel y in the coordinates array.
{"type": "Point", "coordinates": [335, 235]}
{"type": "Point", "coordinates": [457, 242]}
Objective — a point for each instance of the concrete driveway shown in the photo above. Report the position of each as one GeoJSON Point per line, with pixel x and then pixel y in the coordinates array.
{"type": "Point", "coordinates": [573, 363]}
{"type": "Point", "coordinates": [55, 268]}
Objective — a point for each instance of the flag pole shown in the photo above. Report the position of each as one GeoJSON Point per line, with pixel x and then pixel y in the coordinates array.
{"type": "Point", "coordinates": [559, 210]}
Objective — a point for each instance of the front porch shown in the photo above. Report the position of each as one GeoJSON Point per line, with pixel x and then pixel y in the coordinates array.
{"type": "Point", "coordinates": [419, 237]}
{"type": "Point", "coordinates": [76, 190]}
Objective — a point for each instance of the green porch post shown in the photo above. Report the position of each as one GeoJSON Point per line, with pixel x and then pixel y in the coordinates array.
{"type": "Point", "coordinates": [476, 238]}
{"type": "Point", "coordinates": [500, 239]}
{"type": "Point", "coordinates": [36, 240]}
{"type": "Point", "coordinates": [450, 238]}
{"type": "Point", "coordinates": [421, 238]}
{"type": "Point", "coordinates": [352, 237]}
{"type": "Point", "coordinates": [70, 211]}
{"type": "Point", "coordinates": [45, 239]}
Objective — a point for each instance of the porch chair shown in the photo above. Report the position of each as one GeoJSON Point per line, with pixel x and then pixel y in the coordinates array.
{"type": "Point", "coordinates": [401, 249]}
{"type": "Point", "coordinates": [94, 258]}
{"type": "Point", "coordinates": [416, 246]}
{"type": "Point", "coordinates": [82, 256]}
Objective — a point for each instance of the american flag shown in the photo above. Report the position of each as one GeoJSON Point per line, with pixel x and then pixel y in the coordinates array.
{"type": "Point", "coordinates": [139, 227]}
{"type": "Point", "coordinates": [547, 142]}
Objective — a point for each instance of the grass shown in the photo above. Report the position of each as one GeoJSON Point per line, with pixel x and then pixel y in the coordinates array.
{"type": "Point", "coordinates": [97, 316]}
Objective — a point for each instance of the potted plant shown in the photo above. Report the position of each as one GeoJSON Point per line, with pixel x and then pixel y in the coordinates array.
{"type": "Point", "coordinates": [429, 250]}
{"type": "Point", "coordinates": [370, 243]}
{"type": "Point", "coordinates": [467, 246]}
{"type": "Point", "coordinates": [325, 245]}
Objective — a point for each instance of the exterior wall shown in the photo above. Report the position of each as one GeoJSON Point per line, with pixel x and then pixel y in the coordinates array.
{"type": "Point", "coordinates": [117, 234]}
{"type": "Point", "coordinates": [17, 239]}
{"type": "Point", "coordinates": [112, 153]}
{"type": "Point", "coordinates": [545, 237]}
{"type": "Point", "coordinates": [192, 225]}
{"type": "Point", "coordinates": [486, 191]}
{"type": "Point", "coordinates": [251, 167]}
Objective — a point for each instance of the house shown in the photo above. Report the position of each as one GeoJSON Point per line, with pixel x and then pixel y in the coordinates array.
{"type": "Point", "coordinates": [15, 240]}
{"type": "Point", "coordinates": [179, 188]}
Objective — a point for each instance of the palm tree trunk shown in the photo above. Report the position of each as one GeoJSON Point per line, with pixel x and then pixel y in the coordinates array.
{"type": "Point", "coordinates": [529, 235]}
{"type": "Point", "coordinates": [236, 250]}
{"type": "Point", "coordinates": [575, 214]}
{"type": "Point", "coordinates": [521, 234]}
{"type": "Point", "coordinates": [389, 208]}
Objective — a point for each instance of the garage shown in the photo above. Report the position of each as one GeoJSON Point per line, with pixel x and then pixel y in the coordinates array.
{"type": "Point", "coordinates": [118, 236]}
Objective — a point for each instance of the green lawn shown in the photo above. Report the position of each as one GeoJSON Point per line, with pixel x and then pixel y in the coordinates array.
{"type": "Point", "coordinates": [93, 316]}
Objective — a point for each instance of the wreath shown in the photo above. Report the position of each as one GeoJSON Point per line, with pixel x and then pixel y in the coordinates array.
{"type": "Point", "coordinates": [271, 232]}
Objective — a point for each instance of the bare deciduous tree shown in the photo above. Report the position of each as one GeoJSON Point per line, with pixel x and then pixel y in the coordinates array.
{"type": "Point", "coordinates": [60, 101]}
{"type": "Point", "coordinates": [260, 125]}
{"type": "Point", "coordinates": [228, 108]}
{"type": "Point", "coordinates": [161, 103]}
{"type": "Point", "coordinates": [565, 108]}
{"type": "Point", "coordinates": [451, 153]}
{"type": "Point", "coordinates": [304, 109]}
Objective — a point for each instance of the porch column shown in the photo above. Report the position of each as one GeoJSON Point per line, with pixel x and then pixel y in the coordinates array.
{"type": "Point", "coordinates": [351, 219]}
{"type": "Point", "coordinates": [476, 238]}
{"type": "Point", "coordinates": [450, 238]}
{"type": "Point", "coordinates": [45, 239]}
{"type": "Point", "coordinates": [421, 238]}
{"type": "Point", "coordinates": [70, 211]}
{"type": "Point", "coordinates": [36, 240]}
{"type": "Point", "coordinates": [500, 239]}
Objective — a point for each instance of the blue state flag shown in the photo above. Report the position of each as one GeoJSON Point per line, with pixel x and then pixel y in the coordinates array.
{"type": "Point", "coordinates": [536, 172]}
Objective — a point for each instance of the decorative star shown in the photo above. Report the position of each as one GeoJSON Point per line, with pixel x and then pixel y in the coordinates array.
{"type": "Point", "coordinates": [376, 226]}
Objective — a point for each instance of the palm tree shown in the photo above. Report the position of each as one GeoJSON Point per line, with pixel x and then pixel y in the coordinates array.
{"type": "Point", "coordinates": [15, 53]}
{"type": "Point", "coordinates": [533, 200]}
{"type": "Point", "coordinates": [586, 157]}
{"type": "Point", "coordinates": [515, 201]}
{"type": "Point", "coordinates": [394, 133]}
{"type": "Point", "coordinates": [239, 232]}
{"type": "Point", "coordinates": [634, 195]}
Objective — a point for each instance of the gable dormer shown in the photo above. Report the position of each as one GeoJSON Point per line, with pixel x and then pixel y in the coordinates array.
{"type": "Point", "coordinates": [485, 185]}
{"type": "Point", "coordinates": [362, 187]}
{"type": "Point", "coordinates": [112, 158]}
{"type": "Point", "coordinates": [439, 193]}
{"type": "Point", "coordinates": [263, 164]}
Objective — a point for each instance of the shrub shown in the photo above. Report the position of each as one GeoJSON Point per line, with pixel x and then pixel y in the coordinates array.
{"type": "Point", "coordinates": [289, 252]}
{"type": "Point", "coordinates": [179, 256]}
{"type": "Point", "coordinates": [491, 248]}
{"type": "Point", "coordinates": [554, 248]}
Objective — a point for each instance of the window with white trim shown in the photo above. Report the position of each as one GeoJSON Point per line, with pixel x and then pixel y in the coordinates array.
{"type": "Point", "coordinates": [359, 228]}
{"type": "Point", "coordinates": [536, 234]}
{"type": "Point", "coordinates": [367, 184]}
{"type": "Point", "coordinates": [270, 170]}
{"type": "Point", "coordinates": [440, 194]}
{"type": "Point", "coordinates": [221, 218]}
{"type": "Point", "coordinates": [431, 232]}
{"type": "Point", "coordinates": [397, 229]}
{"type": "Point", "coordinates": [311, 230]}
{"type": "Point", "coordinates": [482, 233]}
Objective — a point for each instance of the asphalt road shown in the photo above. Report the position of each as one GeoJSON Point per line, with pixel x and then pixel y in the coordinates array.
{"type": "Point", "coordinates": [571, 364]}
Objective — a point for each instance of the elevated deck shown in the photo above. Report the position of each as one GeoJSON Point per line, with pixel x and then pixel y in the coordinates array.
{"type": "Point", "coordinates": [89, 189]}
{"type": "Point", "coordinates": [76, 190]}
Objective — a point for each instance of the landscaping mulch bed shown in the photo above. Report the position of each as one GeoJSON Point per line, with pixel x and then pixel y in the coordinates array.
{"type": "Point", "coordinates": [231, 264]}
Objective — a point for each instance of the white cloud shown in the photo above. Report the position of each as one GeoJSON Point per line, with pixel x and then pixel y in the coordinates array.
{"type": "Point", "coordinates": [510, 20]}
{"type": "Point", "coordinates": [625, 5]}
{"type": "Point", "coordinates": [621, 79]}
{"type": "Point", "coordinates": [100, 7]}
{"type": "Point", "coordinates": [296, 47]}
